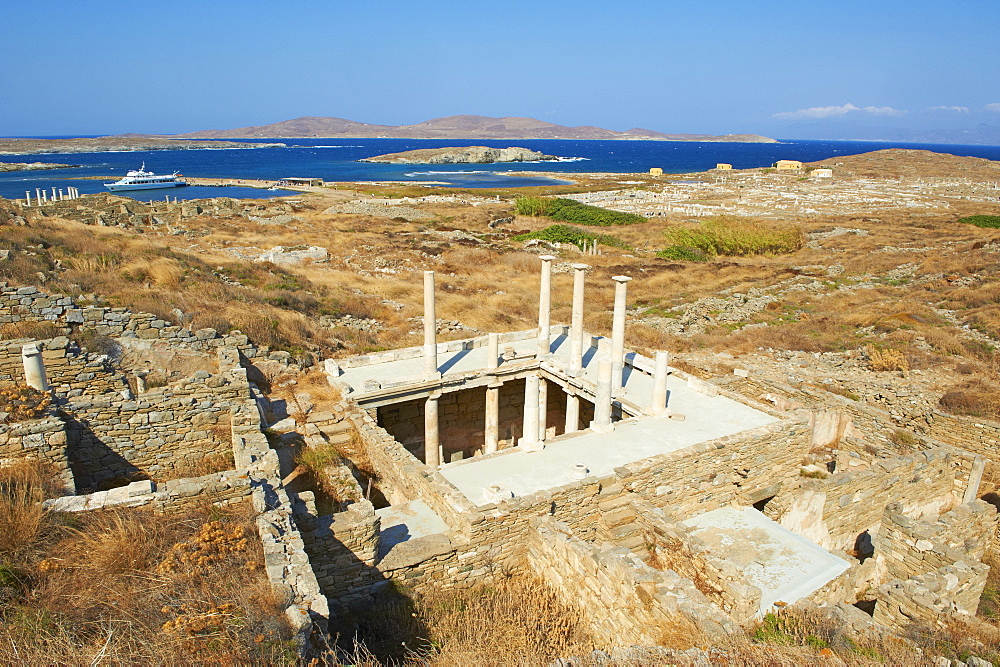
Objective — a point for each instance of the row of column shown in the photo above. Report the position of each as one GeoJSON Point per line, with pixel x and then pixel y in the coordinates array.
{"type": "Point", "coordinates": [42, 197]}
{"type": "Point", "coordinates": [609, 376]}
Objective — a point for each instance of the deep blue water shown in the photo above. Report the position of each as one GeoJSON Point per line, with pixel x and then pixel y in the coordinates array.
{"type": "Point", "coordinates": [336, 160]}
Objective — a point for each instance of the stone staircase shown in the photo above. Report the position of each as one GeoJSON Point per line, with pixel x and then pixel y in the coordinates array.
{"type": "Point", "coordinates": [618, 525]}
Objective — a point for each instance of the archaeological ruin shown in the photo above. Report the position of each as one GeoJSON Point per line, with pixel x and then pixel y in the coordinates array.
{"type": "Point", "coordinates": [638, 491]}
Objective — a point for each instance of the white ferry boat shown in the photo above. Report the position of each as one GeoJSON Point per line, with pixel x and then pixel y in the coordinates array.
{"type": "Point", "coordinates": [145, 180]}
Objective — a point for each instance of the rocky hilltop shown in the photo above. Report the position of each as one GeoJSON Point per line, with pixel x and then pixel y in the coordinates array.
{"type": "Point", "coordinates": [31, 166]}
{"type": "Point", "coordinates": [453, 127]}
{"type": "Point", "coordinates": [461, 155]}
{"type": "Point", "coordinates": [116, 143]}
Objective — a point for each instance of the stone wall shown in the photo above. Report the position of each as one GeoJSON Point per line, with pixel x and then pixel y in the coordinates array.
{"type": "Point", "coordinates": [670, 545]}
{"type": "Point", "coordinates": [38, 439]}
{"type": "Point", "coordinates": [163, 430]}
{"type": "Point", "coordinates": [70, 371]}
{"type": "Point", "coordinates": [931, 598]}
{"type": "Point", "coordinates": [836, 511]}
{"type": "Point", "coordinates": [28, 304]}
{"type": "Point", "coordinates": [285, 560]}
{"type": "Point", "coordinates": [179, 495]}
{"type": "Point", "coordinates": [910, 547]}
{"type": "Point", "coordinates": [623, 600]}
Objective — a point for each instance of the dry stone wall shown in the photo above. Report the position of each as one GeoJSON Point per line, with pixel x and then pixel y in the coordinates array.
{"type": "Point", "coordinates": [931, 598]}
{"type": "Point", "coordinates": [41, 440]}
{"type": "Point", "coordinates": [910, 547]}
{"type": "Point", "coordinates": [624, 600]}
{"type": "Point", "coordinates": [70, 371]}
{"type": "Point", "coordinates": [174, 496]}
{"type": "Point", "coordinates": [834, 512]}
{"type": "Point", "coordinates": [163, 430]}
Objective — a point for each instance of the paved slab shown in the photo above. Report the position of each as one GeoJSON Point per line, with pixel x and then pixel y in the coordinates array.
{"type": "Point", "coordinates": [786, 567]}
{"type": "Point", "coordinates": [400, 523]}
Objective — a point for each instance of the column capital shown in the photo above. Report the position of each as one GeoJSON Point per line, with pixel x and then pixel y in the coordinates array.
{"type": "Point", "coordinates": [546, 258]}
{"type": "Point", "coordinates": [621, 279]}
{"type": "Point", "coordinates": [580, 267]}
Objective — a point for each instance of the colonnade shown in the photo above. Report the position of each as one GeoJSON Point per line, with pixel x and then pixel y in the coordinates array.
{"type": "Point", "coordinates": [610, 370]}
{"type": "Point", "coordinates": [42, 196]}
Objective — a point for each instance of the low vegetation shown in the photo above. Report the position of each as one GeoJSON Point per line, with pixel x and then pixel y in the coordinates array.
{"type": "Point", "coordinates": [731, 237]}
{"type": "Point", "coordinates": [131, 586]}
{"type": "Point", "coordinates": [23, 403]}
{"type": "Point", "coordinates": [573, 211]}
{"type": "Point", "coordinates": [571, 235]}
{"type": "Point", "coordinates": [988, 221]}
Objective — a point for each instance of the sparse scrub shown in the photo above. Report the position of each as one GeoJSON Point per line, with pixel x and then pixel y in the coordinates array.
{"type": "Point", "coordinates": [571, 235]}
{"type": "Point", "coordinates": [735, 237]}
{"type": "Point", "coordinates": [573, 211]}
{"type": "Point", "coordinates": [885, 359]}
{"type": "Point", "coordinates": [976, 398]}
{"type": "Point", "coordinates": [33, 330]}
{"type": "Point", "coordinates": [23, 403]}
{"type": "Point", "coordinates": [988, 221]}
{"type": "Point", "coordinates": [130, 586]}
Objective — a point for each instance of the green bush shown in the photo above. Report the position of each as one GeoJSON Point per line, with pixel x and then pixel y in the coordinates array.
{"type": "Point", "coordinates": [988, 221]}
{"type": "Point", "coordinates": [734, 237]}
{"type": "Point", "coordinates": [574, 235]}
{"type": "Point", "coordinates": [683, 253]}
{"type": "Point", "coordinates": [573, 211]}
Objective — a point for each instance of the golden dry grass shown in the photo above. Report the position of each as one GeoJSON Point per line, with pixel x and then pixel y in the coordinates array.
{"type": "Point", "coordinates": [129, 587]}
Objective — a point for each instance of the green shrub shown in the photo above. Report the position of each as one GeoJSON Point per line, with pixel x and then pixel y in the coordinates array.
{"type": "Point", "coordinates": [573, 211]}
{"type": "Point", "coordinates": [574, 235]}
{"type": "Point", "coordinates": [736, 237]}
{"type": "Point", "coordinates": [988, 221]}
{"type": "Point", "coordinates": [533, 206]}
{"type": "Point", "coordinates": [683, 253]}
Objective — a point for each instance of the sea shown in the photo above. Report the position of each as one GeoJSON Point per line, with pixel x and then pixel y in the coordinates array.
{"type": "Point", "coordinates": [337, 160]}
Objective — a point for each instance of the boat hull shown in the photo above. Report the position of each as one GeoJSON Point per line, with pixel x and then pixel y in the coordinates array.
{"type": "Point", "coordinates": [116, 187]}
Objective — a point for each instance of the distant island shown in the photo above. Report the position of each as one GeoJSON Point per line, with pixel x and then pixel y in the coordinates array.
{"type": "Point", "coordinates": [32, 166]}
{"type": "Point", "coordinates": [461, 155]}
{"type": "Point", "coordinates": [453, 127]}
{"type": "Point", "coordinates": [124, 142]}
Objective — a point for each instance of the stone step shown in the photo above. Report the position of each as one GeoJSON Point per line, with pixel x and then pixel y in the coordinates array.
{"type": "Point", "coordinates": [636, 544]}
{"type": "Point", "coordinates": [618, 517]}
{"type": "Point", "coordinates": [338, 438]}
{"type": "Point", "coordinates": [621, 532]}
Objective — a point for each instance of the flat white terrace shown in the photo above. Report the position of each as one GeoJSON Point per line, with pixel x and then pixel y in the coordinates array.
{"type": "Point", "coordinates": [634, 439]}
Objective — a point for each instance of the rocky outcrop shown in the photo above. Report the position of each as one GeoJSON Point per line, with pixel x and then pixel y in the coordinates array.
{"type": "Point", "coordinates": [31, 166]}
{"type": "Point", "coordinates": [461, 155]}
{"type": "Point", "coordinates": [117, 144]}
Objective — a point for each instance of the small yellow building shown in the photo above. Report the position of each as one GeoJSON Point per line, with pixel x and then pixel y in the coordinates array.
{"type": "Point", "coordinates": [656, 171]}
{"type": "Point", "coordinates": [723, 166]}
{"type": "Point", "coordinates": [787, 164]}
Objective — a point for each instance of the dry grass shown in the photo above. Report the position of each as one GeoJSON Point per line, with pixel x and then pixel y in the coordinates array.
{"type": "Point", "coordinates": [129, 586]}
{"type": "Point", "coordinates": [887, 359]}
{"type": "Point", "coordinates": [515, 621]}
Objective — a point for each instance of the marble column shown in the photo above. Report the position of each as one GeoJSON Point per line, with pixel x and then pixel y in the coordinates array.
{"type": "Point", "coordinates": [543, 407]}
{"type": "Point", "coordinates": [658, 401]}
{"type": "Point", "coordinates": [544, 305]}
{"type": "Point", "coordinates": [430, 329]}
{"type": "Point", "coordinates": [529, 441]}
{"type": "Point", "coordinates": [493, 343]}
{"type": "Point", "coordinates": [572, 411]}
{"type": "Point", "coordinates": [576, 323]}
{"type": "Point", "coordinates": [492, 430]}
{"type": "Point", "coordinates": [432, 447]}
{"type": "Point", "coordinates": [27, 198]}
{"type": "Point", "coordinates": [618, 334]}
{"type": "Point", "coordinates": [34, 367]}
{"type": "Point", "coordinates": [602, 402]}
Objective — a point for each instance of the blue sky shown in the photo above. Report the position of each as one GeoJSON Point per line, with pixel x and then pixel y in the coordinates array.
{"type": "Point", "coordinates": [729, 66]}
